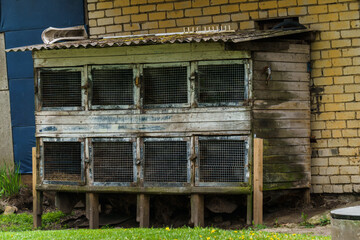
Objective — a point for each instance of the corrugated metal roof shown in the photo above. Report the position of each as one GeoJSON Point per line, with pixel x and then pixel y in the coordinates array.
{"type": "Point", "coordinates": [235, 37]}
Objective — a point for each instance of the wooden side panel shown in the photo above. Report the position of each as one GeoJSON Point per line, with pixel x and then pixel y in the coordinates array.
{"type": "Point", "coordinates": [282, 115]}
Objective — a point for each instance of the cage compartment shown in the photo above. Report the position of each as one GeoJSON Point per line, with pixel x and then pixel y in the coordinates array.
{"type": "Point", "coordinates": [60, 88]}
{"type": "Point", "coordinates": [166, 161]}
{"type": "Point", "coordinates": [112, 86]}
{"type": "Point", "coordinates": [165, 85]}
{"type": "Point", "coordinates": [221, 82]}
{"type": "Point", "coordinates": [113, 161]}
{"type": "Point", "coordinates": [62, 161]}
{"type": "Point", "coordinates": [222, 160]}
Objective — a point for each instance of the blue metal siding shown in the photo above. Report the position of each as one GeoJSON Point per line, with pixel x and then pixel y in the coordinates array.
{"type": "Point", "coordinates": [23, 22]}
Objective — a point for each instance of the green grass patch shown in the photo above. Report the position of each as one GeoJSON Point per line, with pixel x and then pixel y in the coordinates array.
{"type": "Point", "coordinates": [24, 221]}
{"type": "Point", "coordinates": [156, 233]}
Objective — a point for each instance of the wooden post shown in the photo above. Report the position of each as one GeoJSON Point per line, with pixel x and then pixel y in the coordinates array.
{"type": "Point", "coordinates": [87, 206]}
{"type": "Point", "coordinates": [197, 210]}
{"type": "Point", "coordinates": [37, 195]}
{"type": "Point", "coordinates": [143, 210]}
{"type": "Point", "coordinates": [249, 209]}
{"type": "Point", "coordinates": [93, 210]}
{"type": "Point", "coordinates": [307, 198]}
{"type": "Point", "coordinates": [258, 181]}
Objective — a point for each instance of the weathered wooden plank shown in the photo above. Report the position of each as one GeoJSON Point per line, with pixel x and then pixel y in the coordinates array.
{"type": "Point", "coordinates": [287, 142]}
{"type": "Point", "coordinates": [145, 111]}
{"type": "Point", "coordinates": [145, 128]}
{"type": "Point", "coordinates": [135, 59]}
{"type": "Point", "coordinates": [281, 85]}
{"type": "Point", "coordinates": [282, 133]}
{"type": "Point", "coordinates": [281, 114]}
{"type": "Point", "coordinates": [197, 210]}
{"type": "Point", "coordinates": [142, 134]}
{"type": "Point", "coordinates": [281, 95]}
{"type": "Point", "coordinates": [281, 57]}
{"type": "Point", "coordinates": [258, 181]}
{"type": "Point", "coordinates": [144, 118]}
{"type": "Point", "coordinates": [134, 50]}
{"type": "Point", "coordinates": [282, 123]}
{"type": "Point", "coordinates": [245, 189]}
{"type": "Point", "coordinates": [285, 177]}
{"type": "Point", "coordinates": [261, 46]}
{"type": "Point", "coordinates": [286, 168]}
{"type": "Point", "coordinates": [273, 46]}
{"type": "Point", "coordinates": [282, 76]}
{"type": "Point", "coordinates": [287, 185]}
{"type": "Point", "coordinates": [298, 48]}
{"type": "Point", "coordinates": [297, 158]}
{"type": "Point", "coordinates": [277, 105]}
{"type": "Point", "coordinates": [281, 66]}
{"type": "Point", "coordinates": [288, 150]}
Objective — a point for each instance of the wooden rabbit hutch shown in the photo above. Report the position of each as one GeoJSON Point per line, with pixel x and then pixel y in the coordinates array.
{"type": "Point", "coordinates": [172, 114]}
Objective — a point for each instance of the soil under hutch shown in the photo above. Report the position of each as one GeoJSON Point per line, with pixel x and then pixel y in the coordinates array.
{"type": "Point", "coordinates": [147, 117]}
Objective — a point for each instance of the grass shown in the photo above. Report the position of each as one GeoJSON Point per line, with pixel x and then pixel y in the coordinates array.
{"type": "Point", "coordinates": [10, 183]}
{"type": "Point", "coordinates": [24, 221]}
{"type": "Point", "coordinates": [19, 226]}
{"type": "Point", "coordinates": [156, 233]}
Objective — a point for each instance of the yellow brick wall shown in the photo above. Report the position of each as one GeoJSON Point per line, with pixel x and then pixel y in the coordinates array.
{"type": "Point", "coordinates": [335, 58]}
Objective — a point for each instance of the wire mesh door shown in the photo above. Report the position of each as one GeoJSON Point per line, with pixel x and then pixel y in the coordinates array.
{"type": "Point", "coordinates": [112, 87]}
{"type": "Point", "coordinates": [222, 160]}
{"type": "Point", "coordinates": [113, 161]}
{"type": "Point", "coordinates": [165, 85]}
{"type": "Point", "coordinates": [166, 161]}
{"type": "Point", "coordinates": [62, 161]}
{"type": "Point", "coordinates": [60, 88]}
{"type": "Point", "coordinates": [221, 83]}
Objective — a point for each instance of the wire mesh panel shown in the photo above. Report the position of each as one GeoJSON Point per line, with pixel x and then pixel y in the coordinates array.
{"type": "Point", "coordinates": [222, 160]}
{"type": "Point", "coordinates": [166, 161]}
{"type": "Point", "coordinates": [113, 161]}
{"type": "Point", "coordinates": [221, 83]}
{"type": "Point", "coordinates": [112, 87]}
{"type": "Point", "coordinates": [165, 85]}
{"type": "Point", "coordinates": [60, 88]}
{"type": "Point", "coordinates": [62, 161]}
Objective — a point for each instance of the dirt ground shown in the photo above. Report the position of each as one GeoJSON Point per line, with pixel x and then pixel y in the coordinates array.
{"type": "Point", "coordinates": [282, 218]}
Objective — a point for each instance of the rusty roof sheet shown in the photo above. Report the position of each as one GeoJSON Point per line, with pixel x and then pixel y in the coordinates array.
{"type": "Point", "coordinates": [234, 37]}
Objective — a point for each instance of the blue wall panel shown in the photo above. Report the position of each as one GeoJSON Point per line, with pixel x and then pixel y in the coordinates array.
{"type": "Point", "coordinates": [19, 65]}
{"type": "Point", "coordinates": [22, 102]}
{"type": "Point", "coordinates": [23, 38]}
{"type": "Point", "coordinates": [24, 140]}
{"type": "Point", "coordinates": [35, 14]}
{"type": "Point", "coordinates": [23, 22]}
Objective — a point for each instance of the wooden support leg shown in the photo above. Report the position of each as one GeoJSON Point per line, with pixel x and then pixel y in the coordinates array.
{"type": "Point", "coordinates": [37, 208]}
{"type": "Point", "coordinates": [93, 210]}
{"type": "Point", "coordinates": [258, 181]}
{"type": "Point", "coordinates": [87, 206]}
{"type": "Point", "coordinates": [143, 212]}
{"type": "Point", "coordinates": [197, 210]}
{"type": "Point", "coordinates": [307, 199]}
{"type": "Point", "coordinates": [249, 209]}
